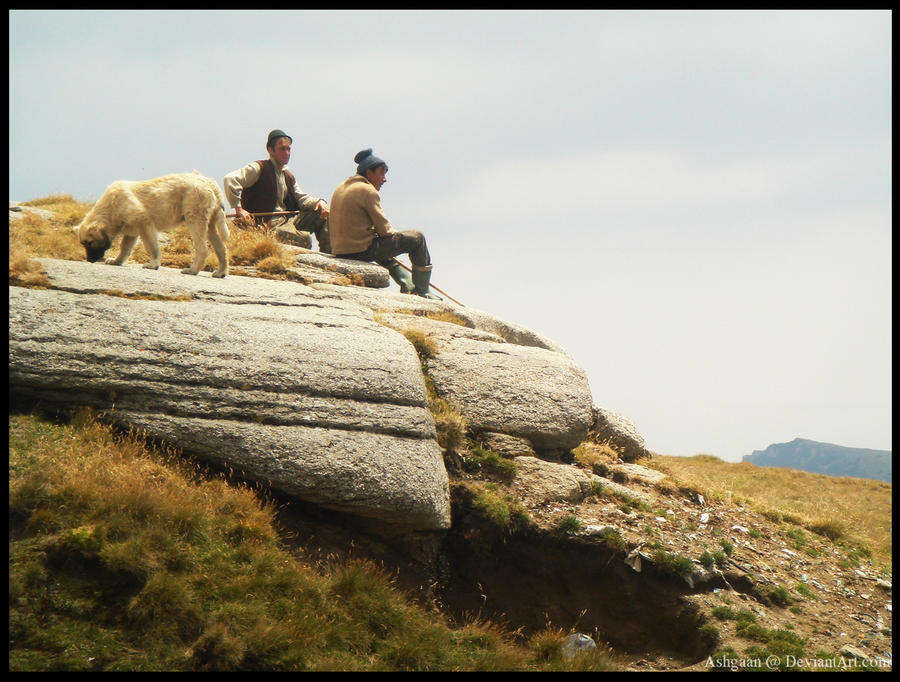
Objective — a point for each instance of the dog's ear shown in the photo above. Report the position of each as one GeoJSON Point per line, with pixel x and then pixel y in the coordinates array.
{"type": "Point", "coordinates": [93, 236]}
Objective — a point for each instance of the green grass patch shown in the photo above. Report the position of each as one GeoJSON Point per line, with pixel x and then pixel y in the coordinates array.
{"type": "Point", "coordinates": [671, 562]}
{"type": "Point", "coordinates": [499, 508]}
{"type": "Point", "coordinates": [613, 539]}
{"type": "Point", "coordinates": [803, 590]}
{"type": "Point", "coordinates": [780, 596]}
{"type": "Point", "coordinates": [489, 464]}
{"type": "Point", "coordinates": [711, 559]}
{"type": "Point", "coordinates": [569, 524]}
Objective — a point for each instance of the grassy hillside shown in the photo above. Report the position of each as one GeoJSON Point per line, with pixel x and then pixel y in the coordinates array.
{"type": "Point", "coordinates": [853, 510]}
{"type": "Point", "coordinates": [125, 558]}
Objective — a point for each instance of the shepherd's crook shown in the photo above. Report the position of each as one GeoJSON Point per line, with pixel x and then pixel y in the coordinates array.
{"type": "Point", "coordinates": [255, 215]}
{"type": "Point", "coordinates": [441, 291]}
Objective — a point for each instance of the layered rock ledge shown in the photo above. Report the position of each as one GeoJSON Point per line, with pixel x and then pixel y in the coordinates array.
{"type": "Point", "coordinates": [303, 387]}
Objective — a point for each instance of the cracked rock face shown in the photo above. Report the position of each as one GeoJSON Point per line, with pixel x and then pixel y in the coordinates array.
{"type": "Point", "coordinates": [296, 386]}
{"type": "Point", "coordinates": [532, 392]}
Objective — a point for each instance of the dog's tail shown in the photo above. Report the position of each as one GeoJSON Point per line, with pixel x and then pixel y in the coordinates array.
{"type": "Point", "coordinates": [218, 223]}
{"type": "Point", "coordinates": [217, 220]}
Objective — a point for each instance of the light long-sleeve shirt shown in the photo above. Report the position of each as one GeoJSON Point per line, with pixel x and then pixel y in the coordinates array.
{"type": "Point", "coordinates": [235, 182]}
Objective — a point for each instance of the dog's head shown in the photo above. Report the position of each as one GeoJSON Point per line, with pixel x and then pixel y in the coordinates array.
{"type": "Point", "coordinates": [94, 239]}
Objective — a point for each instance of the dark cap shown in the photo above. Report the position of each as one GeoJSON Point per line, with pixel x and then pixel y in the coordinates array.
{"type": "Point", "coordinates": [274, 135]}
{"type": "Point", "coordinates": [367, 160]}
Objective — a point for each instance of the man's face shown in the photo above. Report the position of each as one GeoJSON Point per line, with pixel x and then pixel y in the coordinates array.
{"type": "Point", "coordinates": [281, 152]}
{"type": "Point", "coordinates": [377, 176]}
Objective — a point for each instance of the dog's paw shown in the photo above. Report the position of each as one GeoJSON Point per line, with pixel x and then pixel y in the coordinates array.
{"type": "Point", "coordinates": [150, 266]}
{"type": "Point", "coordinates": [219, 274]}
{"type": "Point", "coordinates": [112, 261]}
{"type": "Point", "coordinates": [189, 271]}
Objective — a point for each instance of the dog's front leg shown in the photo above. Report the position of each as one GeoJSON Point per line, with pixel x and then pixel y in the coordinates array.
{"type": "Point", "coordinates": [128, 242]}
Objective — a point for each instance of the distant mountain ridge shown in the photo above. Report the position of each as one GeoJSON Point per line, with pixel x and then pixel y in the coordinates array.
{"type": "Point", "coordinates": [825, 458]}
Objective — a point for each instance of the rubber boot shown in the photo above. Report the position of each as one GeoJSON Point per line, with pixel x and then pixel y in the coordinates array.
{"type": "Point", "coordinates": [401, 276]}
{"type": "Point", "coordinates": [421, 276]}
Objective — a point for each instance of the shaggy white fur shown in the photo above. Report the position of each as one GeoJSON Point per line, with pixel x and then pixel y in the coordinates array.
{"type": "Point", "coordinates": [146, 208]}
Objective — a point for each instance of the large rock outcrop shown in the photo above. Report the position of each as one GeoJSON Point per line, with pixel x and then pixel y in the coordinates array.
{"type": "Point", "coordinates": [309, 388]}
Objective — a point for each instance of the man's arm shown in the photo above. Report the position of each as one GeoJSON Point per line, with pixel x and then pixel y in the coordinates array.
{"type": "Point", "coordinates": [307, 202]}
{"type": "Point", "coordinates": [235, 182]}
{"type": "Point", "coordinates": [376, 214]}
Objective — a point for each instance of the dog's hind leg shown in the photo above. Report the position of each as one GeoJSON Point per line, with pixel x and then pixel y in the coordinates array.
{"type": "Point", "coordinates": [128, 242]}
{"type": "Point", "coordinates": [218, 233]}
{"type": "Point", "coordinates": [150, 240]}
{"type": "Point", "coordinates": [201, 250]}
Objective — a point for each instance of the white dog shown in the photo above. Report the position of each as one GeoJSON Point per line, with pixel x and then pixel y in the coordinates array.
{"type": "Point", "coordinates": [144, 209]}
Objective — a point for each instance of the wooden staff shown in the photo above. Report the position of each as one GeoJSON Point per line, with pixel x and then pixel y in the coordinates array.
{"type": "Point", "coordinates": [440, 291]}
{"type": "Point", "coordinates": [273, 213]}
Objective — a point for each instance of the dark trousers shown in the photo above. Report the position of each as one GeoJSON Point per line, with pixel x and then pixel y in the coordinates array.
{"type": "Point", "coordinates": [313, 222]}
{"type": "Point", "coordinates": [383, 249]}
{"type": "Point", "coordinates": [309, 221]}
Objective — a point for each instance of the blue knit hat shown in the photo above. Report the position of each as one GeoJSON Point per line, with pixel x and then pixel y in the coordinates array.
{"type": "Point", "coordinates": [367, 160]}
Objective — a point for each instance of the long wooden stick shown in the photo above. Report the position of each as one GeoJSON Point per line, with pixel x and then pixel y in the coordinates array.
{"type": "Point", "coordinates": [234, 215]}
{"type": "Point", "coordinates": [441, 291]}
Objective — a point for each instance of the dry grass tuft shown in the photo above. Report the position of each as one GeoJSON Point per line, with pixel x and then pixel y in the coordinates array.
{"type": "Point", "coordinates": [33, 236]}
{"type": "Point", "coordinates": [596, 456]}
{"type": "Point", "coordinates": [449, 422]}
{"type": "Point", "coordinates": [423, 342]}
{"type": "Point", "coordinates": [26, 272]}
{"type": "Point", "coordinates": [439, 316]}
{"type": "Point", "coordinates": [67, 211]}
{"type": "Point", "coordinates": [250, 247]}
{"type": "Point", "coordinates": [38, 237]}
{"type": "Point", "coordinates": [50, 200]}
{"type": "Point", "coordinates": [273, 265]}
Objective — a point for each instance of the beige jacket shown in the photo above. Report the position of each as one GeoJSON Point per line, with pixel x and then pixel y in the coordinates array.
{"type": "Point", "coordinates": [356, 216]}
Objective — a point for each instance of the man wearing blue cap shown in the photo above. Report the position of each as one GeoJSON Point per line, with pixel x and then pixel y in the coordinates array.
{"type": "Point", "coordinates": [267, 186]}
{"type": "Point", "coordinates": [360, 230]}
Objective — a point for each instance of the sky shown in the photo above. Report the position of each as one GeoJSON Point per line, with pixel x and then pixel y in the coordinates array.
{"type": "Point", "coordinates": [695, 205]}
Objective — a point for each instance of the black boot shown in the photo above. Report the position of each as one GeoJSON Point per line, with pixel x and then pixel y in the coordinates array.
{"type": "Point", "coordinates": [421, 276]}
{"type": "Point", "coordinates": [401, 276]}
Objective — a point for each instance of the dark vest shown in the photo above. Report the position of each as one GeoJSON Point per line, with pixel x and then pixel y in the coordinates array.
{"type": "Point", "coordinates": [261, 197]}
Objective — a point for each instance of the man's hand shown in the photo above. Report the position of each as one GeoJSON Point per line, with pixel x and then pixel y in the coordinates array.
{"type": "Point", "coordinates": [243, 216]}
{"type": "Point", "coordinates": [322, 208]}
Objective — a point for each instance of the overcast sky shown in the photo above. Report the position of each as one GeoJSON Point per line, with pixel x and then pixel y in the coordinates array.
{"type": "Point", "coordinates": [696, 205]}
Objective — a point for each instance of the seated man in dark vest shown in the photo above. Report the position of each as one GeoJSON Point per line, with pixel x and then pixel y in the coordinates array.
{"type": "Point", "coordinates": [267, 186]}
